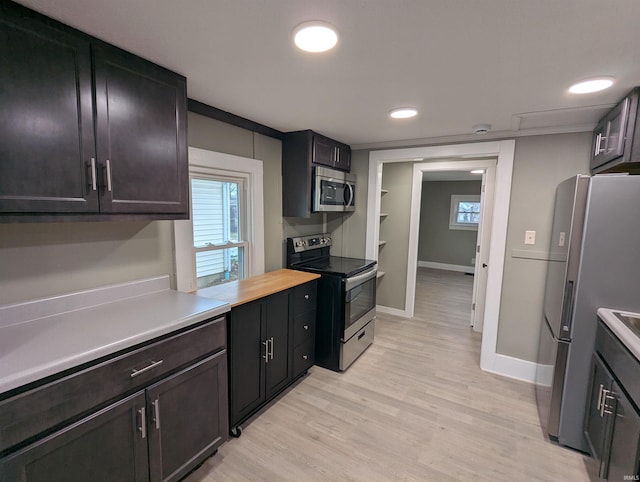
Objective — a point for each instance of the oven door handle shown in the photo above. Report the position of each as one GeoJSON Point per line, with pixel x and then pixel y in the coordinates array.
{"type": "Point", "coordinates": [359, 279]}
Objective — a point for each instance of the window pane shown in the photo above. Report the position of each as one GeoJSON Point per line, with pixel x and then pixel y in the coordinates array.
{"type": "Point", "coordinates": [219, 266]}
{"type": "Point", "coordinates": [215, 212]}
{"type": "Point", "coordinates": [468, 212]}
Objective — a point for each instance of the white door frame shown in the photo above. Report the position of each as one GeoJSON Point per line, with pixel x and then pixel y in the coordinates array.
{"type": "Point", "coordinates": [450, 157]}
{"type": "Point", "coordinates": [483, 242]}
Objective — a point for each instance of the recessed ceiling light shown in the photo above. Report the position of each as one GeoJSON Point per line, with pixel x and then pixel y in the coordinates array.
{"type": "Point", "coordinates": [403, 113]}
{"type": "Point", "coordinates": [315, 36]}
{"type": "Point", "coordinates": [477, 171]}
{"type": "Point", "coordinates": [591, 85]}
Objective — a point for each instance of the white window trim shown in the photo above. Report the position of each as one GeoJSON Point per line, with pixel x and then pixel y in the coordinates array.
{"type": "Point", "coordinates": [455, 199]}
{"type": "Point", "coordinates": [203, 162]}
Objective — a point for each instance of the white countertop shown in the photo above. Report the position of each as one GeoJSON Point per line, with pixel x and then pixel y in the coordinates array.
{"type": "Point", "coordinates": [624, 333]}
{"type": "Point", "coordinates": [44, 337]}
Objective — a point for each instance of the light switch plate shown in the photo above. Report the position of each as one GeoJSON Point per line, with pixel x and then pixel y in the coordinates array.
{"type": "Point", "coordinates": [529, 237]}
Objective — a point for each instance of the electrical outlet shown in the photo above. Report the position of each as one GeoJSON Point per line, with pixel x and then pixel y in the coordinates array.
{"type": "Point", "coordinates": [529, 237]}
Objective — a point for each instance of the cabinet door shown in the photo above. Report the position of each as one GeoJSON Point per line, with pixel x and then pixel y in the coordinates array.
{"type": "Point", "coordinates": [323, 151]}
{"type": "Point", "coordinates": [141, 134]}
{"type": "Point", "coordinates": [595, 426]}
{"type": "Point", "coordinates": [247, 352]}
{"type": "Point", "coordinates": [343, 157]}
{"type": "Point", "coordinates": [187, 418]}
{"type": "Point", "coordinates": [46, 116]}
{"type": "Point", "coordinates": [616, 126]}
{"type": "Point", "coordinates": [106, 446]}
{"type": "Point", "coordinates": [624, 451]}
{"type": "Point", "coordinates": [278, 368]}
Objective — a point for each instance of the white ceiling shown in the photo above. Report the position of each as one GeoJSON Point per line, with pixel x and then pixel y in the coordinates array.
{"type": "Point", "coordinates": [507, 63]}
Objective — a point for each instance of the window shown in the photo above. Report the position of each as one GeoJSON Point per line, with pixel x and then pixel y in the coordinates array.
{"type": "Point", "coordinates": [218, 219]}
{"type": "Point", "coordinates": [465, 212]}
{"type": "Point", "coordinates": [224, 238]}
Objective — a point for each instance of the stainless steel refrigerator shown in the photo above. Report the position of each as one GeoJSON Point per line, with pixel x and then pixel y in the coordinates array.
{"type": "Point", "coordinates": [594, 261]}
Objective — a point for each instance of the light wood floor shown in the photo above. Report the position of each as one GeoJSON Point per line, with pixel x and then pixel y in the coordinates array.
{"type": "Point", "coordinates": [414, 406]}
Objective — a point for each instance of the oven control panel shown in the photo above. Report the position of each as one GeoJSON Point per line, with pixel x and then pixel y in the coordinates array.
{"type": "Point", "coordinates": [305, 243]}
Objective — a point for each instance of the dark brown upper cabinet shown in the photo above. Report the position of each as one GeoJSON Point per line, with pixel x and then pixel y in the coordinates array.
{"type": "Point", "coordinates": [301, 151]}
{"type": "Point", "coordinates": [616, 138]}
{"type": "Point", "coordinates": [87, 130]}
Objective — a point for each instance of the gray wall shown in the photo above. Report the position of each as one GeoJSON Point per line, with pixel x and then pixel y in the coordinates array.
{"type": "Point", "coordinates": [394, 229]}
{"type": "Point", "coordinates": [540, 163]}
{"type": "Point", "coordinates": [44, 259]}
{"type": "Point", "coordinates": [437, 243]}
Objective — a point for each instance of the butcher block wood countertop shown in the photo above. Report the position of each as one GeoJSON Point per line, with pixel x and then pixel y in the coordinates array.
{"type": "Point", "coordinates": [249, 289]}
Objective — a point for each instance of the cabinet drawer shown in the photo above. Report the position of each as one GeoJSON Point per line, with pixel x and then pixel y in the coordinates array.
{"type": "Point", "coordinates": [303, 357]}
{"type": "Point", "coordinates": [305, 297]}
{"type": "Point", "coordinates": [304, 327]}
{"type": "Point", "coordinates": [48, 406]}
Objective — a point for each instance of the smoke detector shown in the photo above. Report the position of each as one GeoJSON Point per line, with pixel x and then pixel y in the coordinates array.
{"type": "Point", "coordinates": [481, 128]}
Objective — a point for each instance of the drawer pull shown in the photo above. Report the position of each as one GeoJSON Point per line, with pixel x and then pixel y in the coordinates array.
{"type": "Point", "coordinates": [306, 297]}
{"type": "Point", "coordinates": [135, 373]}
{"type": "Point", "coordinates": [306, 327]}
{"type": "Point", "coordinates": [305, 357]}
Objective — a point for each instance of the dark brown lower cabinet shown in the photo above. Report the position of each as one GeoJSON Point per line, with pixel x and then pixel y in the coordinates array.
{"type": "Point", "coordinates": [612, 425]}
{"type": "Point", "coordinates": [259, 354]}
{"type": "Point", "coordinates": [103, 447]}
{"type": "Point", "coordinates": [166, 428]}
{"type": "Point", "coordinates": [267, 348]}
{"type": "Point", "coordinates": [158, 434]}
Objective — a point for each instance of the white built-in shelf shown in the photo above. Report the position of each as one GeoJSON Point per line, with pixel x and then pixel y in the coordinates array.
{"type": "Point", "coordinates": [381, 243]}
{"type": "Point", "coordinates": [380, 274]}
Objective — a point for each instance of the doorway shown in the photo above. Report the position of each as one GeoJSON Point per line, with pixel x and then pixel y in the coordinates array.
{"type": "Point", "coordinates": [454, 233]}
{"type": "Point", "coordinates": [450, 157]}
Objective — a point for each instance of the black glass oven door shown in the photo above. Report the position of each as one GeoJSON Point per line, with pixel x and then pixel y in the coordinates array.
{"type": "Point", "coordinates": [360, 300]}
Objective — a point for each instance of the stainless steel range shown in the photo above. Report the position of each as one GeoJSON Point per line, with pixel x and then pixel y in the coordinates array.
{"type": "Point", "coordinates": [345, 322]}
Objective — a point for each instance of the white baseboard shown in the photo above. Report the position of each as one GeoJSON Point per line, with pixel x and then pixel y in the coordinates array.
{"type": "Point", "coordinates": [518, 369]}
{"type": "Point", "coordinates": [448, 267]}
{"type": "Point", "coordinates": [391, 311]}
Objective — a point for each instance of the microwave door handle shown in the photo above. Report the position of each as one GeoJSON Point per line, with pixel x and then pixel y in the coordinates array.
{"type": "Point", "coordinates": [350, 201]}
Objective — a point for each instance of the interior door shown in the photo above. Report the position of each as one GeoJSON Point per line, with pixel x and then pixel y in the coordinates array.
{"type": "Point", "coordinates": [481, 270]}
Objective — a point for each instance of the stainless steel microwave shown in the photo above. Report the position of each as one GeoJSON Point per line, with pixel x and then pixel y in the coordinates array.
{"type": "Point", "coordinates": [333, 190]}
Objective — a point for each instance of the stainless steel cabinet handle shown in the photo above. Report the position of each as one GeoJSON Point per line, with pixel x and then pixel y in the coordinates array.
{"type": "Point", "coordinates": [266, 351]}
{"type": "Point", "coordinates": [143, 422]}
{"type": "Point", "coordinates": [306, 297]}
{"type": "Point", "coordinates": [108, 166]}
{"type": "Point", "coordinates": [94, 185]}
{"type": "Point", "coordinates": [304, 357]}
{"type": "Point", "coordinates": [606, 408]}
{"type": "Point", "coordinates": [156, 412]}
{"type": "Point", "coordinates": [135, 373]}
{"type": "Point", "coordinates": [306, 327]}
{"type": "Point", "coordinates": [271, 348]}
{"type": "Point", "coordinates": [600, 396]}
{"type": "Point", "coordinates": [605, 393]}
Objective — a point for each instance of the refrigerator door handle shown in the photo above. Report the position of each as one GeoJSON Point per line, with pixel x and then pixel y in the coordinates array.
{"type": "Point", "coordinates": [567, 311]}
